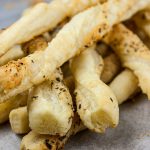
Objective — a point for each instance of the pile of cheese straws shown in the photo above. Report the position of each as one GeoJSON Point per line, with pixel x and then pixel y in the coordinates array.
{"type": "Point", "coordinates": [69, 63]}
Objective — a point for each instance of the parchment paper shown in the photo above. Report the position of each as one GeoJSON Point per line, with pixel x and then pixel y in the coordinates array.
{"type": "Point", "coordinates": [133, 132]}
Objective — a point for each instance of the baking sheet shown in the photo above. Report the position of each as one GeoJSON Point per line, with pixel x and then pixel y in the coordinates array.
{"type": "Point", "coordinates": [133, 132]}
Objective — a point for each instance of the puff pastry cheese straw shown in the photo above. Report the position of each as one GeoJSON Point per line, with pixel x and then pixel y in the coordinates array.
{"type": "Point", "coordinates": [10, 104]}
{"type": "Point", "coordinates": [19, 121]}
{"type": "Point", "coordinates": [39, 43]}
{"type": "Point", "coordinates": [121, 85]}
{"type": "Point", "coordinates": [52, 98]}
{"type": "Point", "coordinates": [34, 141]}
{"type": "Point", "coordinates": [133, 54]}
{"type": "Point", "coordinates": [96, 103]}
{"type": "Point", "coordinates": [140, 5]}
{"type": "Point", "coordinates": [142, 20]}
{"type": "Point", "coordinates": [50, 107]}
{"type": "Point", "coordinates": [111, 68]}
{"type": "Point", "coordinates": [14, 53]}
{"type": "Point", "coordinates": [85, 28]}
{"type": "Point", "coordinates": [56, 142]}
{"type": "Point", "coordinates": [21, 99]}
{"type": "Point", "coordinates": [39, 19]}
{"type": "Point", "coordinates": [19, 51]}
{"type": "Point", "coordinates": [102, 49]}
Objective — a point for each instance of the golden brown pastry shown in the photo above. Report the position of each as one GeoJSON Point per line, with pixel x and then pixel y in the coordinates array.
{"type": "Point", "coordinates": [21, 99]}
{"type": "Point", "coordinates": [124, 85]}
{"type": "Point", "coordinates": [10, 104]}
{"type": "Point", "coordinates": [19, 120]}
{"type": "Point", "coordinates": [97, 106]}
{"type": "Point", "coordinates": [140, 5]}
{"type": "Point", "coordinates": [56, 142]}
{"type": "Point", "coordinates": [14, 53]}
{"type": "Point", "coordinates": [111, 68]}
{"type": "Point", "coordinates": [133, 54]}
{"type": "Point", "coordinates": [39, 19]}
{"type": "Point", "coordinates": [50, 107]}
{"type": "Point", "coordinates": [85, 28]}
{"type": "Point", "coordinates": [142, 20]}
{"type": "Point", "coordinates": [34, 141]}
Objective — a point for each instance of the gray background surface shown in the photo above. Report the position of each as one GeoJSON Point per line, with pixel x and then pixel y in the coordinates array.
{"type": "Point", "coordinates": [133, 132]}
